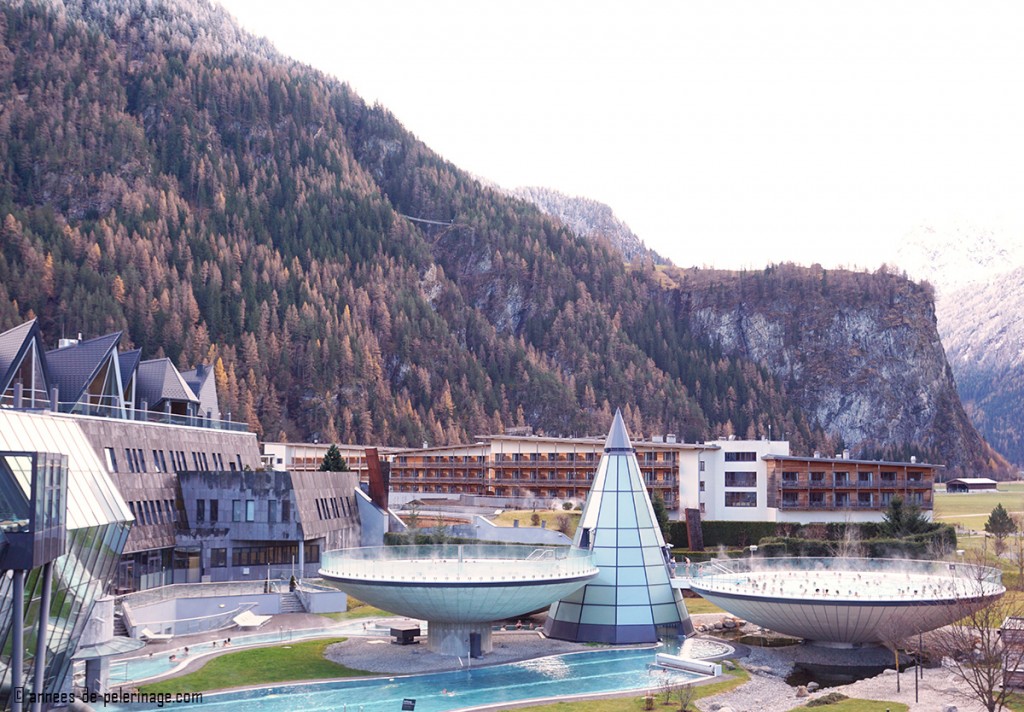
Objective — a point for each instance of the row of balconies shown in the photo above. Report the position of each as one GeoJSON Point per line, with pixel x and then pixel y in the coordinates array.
{"type": "Point", "coordinates": [856, 484]}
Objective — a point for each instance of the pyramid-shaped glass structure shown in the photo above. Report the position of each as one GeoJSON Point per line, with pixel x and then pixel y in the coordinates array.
{"type": "Point", "coordinates": [632, 599]}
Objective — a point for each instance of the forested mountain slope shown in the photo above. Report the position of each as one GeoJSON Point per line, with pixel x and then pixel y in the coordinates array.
{"type": "Point", "coordinates": [591, 219]}
{"type": "Point", "coordinates": [164, 173]}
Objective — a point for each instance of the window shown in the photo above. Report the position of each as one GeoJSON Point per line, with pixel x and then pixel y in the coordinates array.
{"type": "Point", "coordinates": [238, 459]}
{"type": "Point", "coordinates": [741, 499]}
{"type": "Point", "coordinates": [218, 558]}
{"type": "Point", "coordinates": [250, 510]}
{"type": "Point", "coordinates": [741, 457]}
{"type": "Point", "coordinates": [842, 499]}
{"type": "Point", "coordinates": [744, 479]}
{"type": "Point", "coordinates": [842, 478]}
{"type": "Point", "coordinates": [271, 510]}
{"type": "Point", "coordinates": [864, 478]}
{"type": "Point", "coordinates": [200, 510]}
{"type": "Point", "coordinates": [172, 513]}
{"type": "Point", "coordinates": [790, 499]}
{"type": "Point", "coordinates": [156, 462]}
{"type": "Point", "coordinates": [701, 487]}
{"type": "Point", "coordinates": [214, 509]}
{"type": "Point", "coordinates": [817, 499]}
{"type": "Point", "coordinates": [111, 459]}
{"type": "Point", "coordinates": [700, 467]}
{"type": "Point", "coordinates": [889, 477]}
{"type": "Point", "coordinates": [206, 463]}
{"type": "Point", "coordinates": [286, 510]}
{"type": "Point", "coordinates": [818, 477]}
{"type": "Point", "coordinates": [129, 460]}
{"type": "Point", "coordinates": [334, 507]}
{"type": "Point", "coordinates": [142, 460]}
{"type": "Point", "coordinates": [864, 499]}
{"type": "Point", "coordinates": [236, 510]}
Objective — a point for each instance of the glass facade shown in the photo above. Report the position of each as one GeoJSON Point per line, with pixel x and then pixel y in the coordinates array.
{"type": "Point", "coordinates": [632, 599]}
{"type": "Point", "coordinates": [97, 522]}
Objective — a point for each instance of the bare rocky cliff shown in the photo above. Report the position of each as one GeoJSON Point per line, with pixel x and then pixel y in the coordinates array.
{"type": "Point", "coordinates": [859, 352]}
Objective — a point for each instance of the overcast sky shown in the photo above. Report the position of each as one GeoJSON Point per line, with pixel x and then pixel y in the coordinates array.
{"type": "Point", "coordinates": [724, 133]}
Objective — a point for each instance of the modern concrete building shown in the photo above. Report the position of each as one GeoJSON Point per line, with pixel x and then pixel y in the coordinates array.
{"type": "Point", "coordinates": [258, 525]}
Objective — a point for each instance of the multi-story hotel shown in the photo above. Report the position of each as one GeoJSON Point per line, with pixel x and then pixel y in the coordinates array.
{"type": "Point", "coordinates": [725, 480]}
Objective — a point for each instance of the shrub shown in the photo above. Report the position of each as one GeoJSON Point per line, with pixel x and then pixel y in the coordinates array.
{"type": "Point", "coordinates": [567, 506]}
{"type": "Point", "coordinates": [829, 699]}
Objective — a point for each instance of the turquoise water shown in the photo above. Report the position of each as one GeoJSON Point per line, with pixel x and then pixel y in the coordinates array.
{"type": "Point", "coordinates": [556, 676]}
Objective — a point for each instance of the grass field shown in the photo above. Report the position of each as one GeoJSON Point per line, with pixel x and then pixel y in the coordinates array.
{"type": "Point", "coordinates": [550, 516]}
{"type": "Point", "coordinates": [357, 609]}
{"type": "Point", "coordinates": [971, 510]}
{"type": "Point", "coordinates": [282, 663]}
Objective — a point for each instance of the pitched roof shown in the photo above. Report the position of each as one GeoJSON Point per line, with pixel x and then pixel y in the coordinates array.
{"type": "Point", "coordinates": [197, 379]}
{"type": "Point", "coordinates": [73, 368]}
{"type": "Point", "coordinates": [128, 361]}
{"type": "Point", "coordinates": [158, 380]}
{"type": "Point", "coordinates": [13, 344]}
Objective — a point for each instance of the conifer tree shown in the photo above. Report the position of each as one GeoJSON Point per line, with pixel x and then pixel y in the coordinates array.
{"type": "Point", "coordinates": [333, 461]}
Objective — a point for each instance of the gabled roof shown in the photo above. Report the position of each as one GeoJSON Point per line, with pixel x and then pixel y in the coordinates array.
{"type": "Point", "coordinates": [973, 481]}
{"type": "Point", "coordinates": [197, 377]}
{"type": "Point", "coordinates": [74, 367]}
{"type": "Point", "coordinates": [128, 361]}
{"type": "Point", "coordinates": [158, 380]}
{"type": "Point", "coordinates": [14, 344]}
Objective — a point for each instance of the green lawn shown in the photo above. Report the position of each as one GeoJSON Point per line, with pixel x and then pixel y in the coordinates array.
{"type": "Point", "coordinates": [701, 605]}
{"type": "Point", "coordinates": [282, 663]}
{"type": "Point", "coordinates": [547, 515]}
{"type": "Point", "coordinates": [972, 509]}
{"type": "Point", "coordinates": [628, 704]}
{"type": "Point", "coordinates": [357, 609]}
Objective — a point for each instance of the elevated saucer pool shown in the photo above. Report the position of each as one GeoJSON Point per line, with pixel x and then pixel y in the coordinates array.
{"type": "Point", "coordinates": [846, 601]}
{"type": "Point", "coordinates": [459, 589]}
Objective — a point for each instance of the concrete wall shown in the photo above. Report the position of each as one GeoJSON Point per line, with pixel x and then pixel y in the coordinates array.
{"type": "Point", "coordinates": [181, 616]}
{"type": "Point", "coordinates": [317, 600]}
{"type": "Point", "coordinates": [373, 521]}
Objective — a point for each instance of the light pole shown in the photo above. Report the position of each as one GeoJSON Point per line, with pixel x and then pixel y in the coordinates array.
{"type": "Point", "coordinates": [753, 550]}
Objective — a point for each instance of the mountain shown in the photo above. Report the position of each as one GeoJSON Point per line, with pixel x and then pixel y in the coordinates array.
{"type": "Point", "coordinates": [984, 338]}
{"type": "Point", "coordinates": [978, 273]}
{"type": "Point", "coordinates": [858, 352]}
{"type": "Point", "coordinates": [591, 219]}
{"type": "Point", "coordinates": [164, 173]}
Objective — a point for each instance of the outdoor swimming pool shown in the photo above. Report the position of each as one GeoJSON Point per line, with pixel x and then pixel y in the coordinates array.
{"type": "Point", "coordinates": [572, 674]}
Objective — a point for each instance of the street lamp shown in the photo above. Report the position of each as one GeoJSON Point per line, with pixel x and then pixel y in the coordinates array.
{"type": "Point", "coordinates": [753, 550]}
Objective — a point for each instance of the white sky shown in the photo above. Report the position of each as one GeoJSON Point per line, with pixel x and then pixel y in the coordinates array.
{"type": "Point", "coordinates": [724, 133]}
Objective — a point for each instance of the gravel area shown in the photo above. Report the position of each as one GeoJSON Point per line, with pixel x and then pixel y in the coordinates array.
{"type": "Point", "coordinates": [767, 690]}
{"type": "Point", "coordinates": [380, 655]}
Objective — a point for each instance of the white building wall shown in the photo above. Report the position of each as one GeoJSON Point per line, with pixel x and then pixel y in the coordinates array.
{"type": "Point", "coordinates": [722, 492]}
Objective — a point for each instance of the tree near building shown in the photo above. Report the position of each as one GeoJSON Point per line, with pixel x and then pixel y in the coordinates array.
{"type": "Point", "coordinates": [973, 647]}
{"type": "Point", "coordinates": [333, 461]}
{"type": "Point", "coordinates": [902, 519]}
{"type": "Point", "coordinates": [660, 513]}
{"type": "Point", "coordinates": [1000, 525]}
